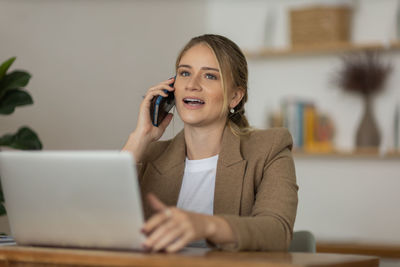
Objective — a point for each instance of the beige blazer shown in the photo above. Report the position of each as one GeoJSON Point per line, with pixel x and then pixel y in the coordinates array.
{"type": "Point", "coordinates": [255, 186]}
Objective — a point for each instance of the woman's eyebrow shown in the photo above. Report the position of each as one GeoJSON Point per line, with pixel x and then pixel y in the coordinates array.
{"type": "Point", "coordinates": [208, 68]}
{"type": "Point", "coordinates": [203, 68]}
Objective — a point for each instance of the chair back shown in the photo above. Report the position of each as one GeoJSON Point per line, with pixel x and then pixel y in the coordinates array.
{"type": "Point", "coordinates": [303, 241]}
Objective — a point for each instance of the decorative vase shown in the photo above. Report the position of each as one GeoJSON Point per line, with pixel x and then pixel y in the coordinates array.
{"type": "Point", "coordinates": [368, 135]}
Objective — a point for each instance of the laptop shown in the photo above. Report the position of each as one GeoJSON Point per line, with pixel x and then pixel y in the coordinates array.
{"type": "Point", "coordinates": [85, 199]}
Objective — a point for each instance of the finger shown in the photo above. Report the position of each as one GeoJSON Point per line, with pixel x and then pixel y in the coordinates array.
{"type": "Point", "coordinates": [154, 222]}
{"type": "Point", "coordinates": [161, 230]}
{"type": "Point", "coordinates": [160, 89]}
{"type": "Point", "coordinates": [170, 80]}
{"type": "Point", "coordinates": [160, 233]}
{"type": "Point", "coordinates": [162, 86]}
{"type": "Point", "coordinates": [164, 124]}
{"type": "Point", "coordinates": [153, 93]}
{"type": "Point", "coordinates": [158, 218]}
{"type": "Point", "coordinates": [149, 97]}
{"type": "Point", "coordinates": [168, 238]}
{"type": "Point", "coordinates": [179, 243]}
{"type": "Point", "coordinates": [155, 203]}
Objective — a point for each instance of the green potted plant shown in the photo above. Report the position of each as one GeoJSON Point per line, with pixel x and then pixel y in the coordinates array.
{"type": "Point", "coordinates": [13, 95]}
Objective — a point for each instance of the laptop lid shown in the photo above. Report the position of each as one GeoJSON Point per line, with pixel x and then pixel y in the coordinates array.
{"type": "Point", "coordinates": [72, 198]}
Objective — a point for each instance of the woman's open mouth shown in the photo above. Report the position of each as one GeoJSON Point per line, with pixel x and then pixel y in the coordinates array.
{"type": "Point", "coordinates": [193, 103]}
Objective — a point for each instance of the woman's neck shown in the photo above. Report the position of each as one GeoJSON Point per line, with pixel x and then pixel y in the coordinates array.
{"type": "Point", "coordinates": [203, 142]}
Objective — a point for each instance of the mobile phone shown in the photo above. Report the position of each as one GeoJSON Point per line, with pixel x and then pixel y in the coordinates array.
{"type": "Point", "coordinates": [160, 106]}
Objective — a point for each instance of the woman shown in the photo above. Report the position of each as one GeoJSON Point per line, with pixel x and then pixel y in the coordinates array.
{"type": "Point", "coordinates": [218, 179]}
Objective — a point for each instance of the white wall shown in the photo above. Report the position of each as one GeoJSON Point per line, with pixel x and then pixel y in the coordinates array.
{"type": "Point", "coordinates": [349, 199]}
{"type": "Point", "coordinates": [340, 199]}
{"type": "Point", "coordinates": [91, 62]}
{"type": "Point", "coordinates": [309, 77]}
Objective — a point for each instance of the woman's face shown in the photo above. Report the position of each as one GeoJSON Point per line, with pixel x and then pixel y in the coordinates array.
{"type": "Point", "coordinates": [198, 90]}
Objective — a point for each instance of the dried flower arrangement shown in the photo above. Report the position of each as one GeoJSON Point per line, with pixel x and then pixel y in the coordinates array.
{"type": "Point", "coordinates": [363, 73]}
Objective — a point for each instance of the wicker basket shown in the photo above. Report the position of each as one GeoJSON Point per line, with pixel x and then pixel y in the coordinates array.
{"type": "Point", "coordinates": [320, 25]}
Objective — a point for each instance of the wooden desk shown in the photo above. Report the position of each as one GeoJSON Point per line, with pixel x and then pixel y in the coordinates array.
{"type": "Point", "coordinates": [380, 250]}
{"type": "Point", "coordinates": [34, 256]}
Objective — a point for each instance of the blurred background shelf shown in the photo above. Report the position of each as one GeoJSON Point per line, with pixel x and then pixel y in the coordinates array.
{"type": "Point", "coordinates": [365, 154]}
{"type": "Point", "coordinates": [321, 49]}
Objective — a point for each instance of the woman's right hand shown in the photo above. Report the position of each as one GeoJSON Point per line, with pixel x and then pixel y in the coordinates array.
{"type": "Point", "coordinates": [144, 125]}
{"type": "Point", "coordinates": [145, 131]}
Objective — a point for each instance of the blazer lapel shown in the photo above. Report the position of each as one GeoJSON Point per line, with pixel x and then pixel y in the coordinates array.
{"type": "Point", "coordinates": [230, 174]}
{"type": "Point", "coordinates": [164, 175]}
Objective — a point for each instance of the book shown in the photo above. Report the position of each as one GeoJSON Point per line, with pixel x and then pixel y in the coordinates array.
{"type": "Point", "coordinates": [311, 131]}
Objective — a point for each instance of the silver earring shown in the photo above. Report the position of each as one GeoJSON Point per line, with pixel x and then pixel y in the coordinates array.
{"type": "Point", "coordinates": [232, 110]}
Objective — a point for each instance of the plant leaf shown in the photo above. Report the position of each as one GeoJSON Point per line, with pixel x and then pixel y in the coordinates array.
{"type": "Point", "coordinates": [5, 66]}
{"type": "Point", "coordinates": [2, 209]}
{"type": "Point", "coordinates": [12, 99]}
{"type": "Point", "coordinates": [25, 139]}
{"type": "Point", "coordinates": [13, 80]}
{"type": "Point", "coordinates": [1, 195]}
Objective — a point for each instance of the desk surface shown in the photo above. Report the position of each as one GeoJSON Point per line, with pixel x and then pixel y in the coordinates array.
{"type": "Point", "coordinates": [34, 256]}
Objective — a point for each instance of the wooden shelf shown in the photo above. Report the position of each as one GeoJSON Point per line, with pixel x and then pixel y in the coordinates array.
{"type": "Point", "coordinates": [320, 49]}
{"type": "Point", "coordinates": [354, 155]}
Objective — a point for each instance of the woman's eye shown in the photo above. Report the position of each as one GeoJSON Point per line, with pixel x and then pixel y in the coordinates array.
{"type": "Point", "coordinates": [184, 73]}
{"type": "Point", "coordinates": [211, 76]}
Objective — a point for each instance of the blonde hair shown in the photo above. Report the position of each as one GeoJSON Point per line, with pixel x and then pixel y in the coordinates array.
{"type": "Point", "coordinates": [233, 70]}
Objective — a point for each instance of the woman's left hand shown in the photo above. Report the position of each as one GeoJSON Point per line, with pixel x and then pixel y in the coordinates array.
{"type": "Point", "coordinates": [171, 229]}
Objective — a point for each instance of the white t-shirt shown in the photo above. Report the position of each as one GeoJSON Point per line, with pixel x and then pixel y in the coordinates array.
{"type": "Point", "coordinates": [198, 184]}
